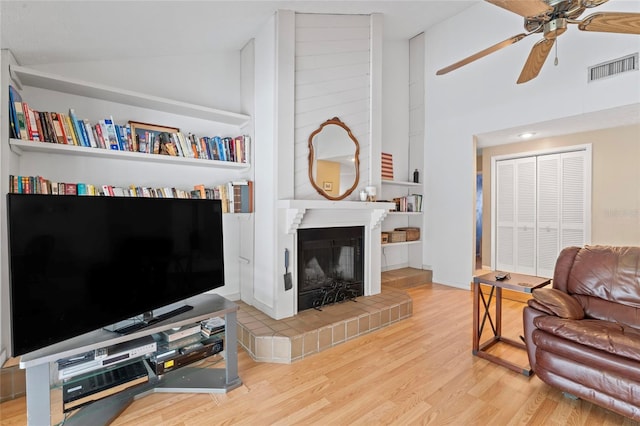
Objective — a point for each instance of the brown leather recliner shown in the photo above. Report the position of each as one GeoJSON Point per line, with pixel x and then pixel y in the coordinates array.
{"type": "Point", "coordinates": [583, 333]}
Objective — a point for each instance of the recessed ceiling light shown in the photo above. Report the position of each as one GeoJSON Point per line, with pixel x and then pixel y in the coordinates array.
{"type": "Point", "coordinates": [526, 135]}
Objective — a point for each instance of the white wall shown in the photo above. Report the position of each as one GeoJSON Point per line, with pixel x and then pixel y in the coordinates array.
{"type": "Point", "coordinates": [332, 76]}
{"type": "Point", "coordinates": [265, 155]}
{"type": "Point", "coordinates": [483, 96]}
{"type": "Point", "coordinates": [395, 105]}
{"type": "Point", "coordinates": [211, 80]}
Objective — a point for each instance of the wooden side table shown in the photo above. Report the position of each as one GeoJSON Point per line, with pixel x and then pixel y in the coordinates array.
{"type": "Point", "coordinates": [516, 282]}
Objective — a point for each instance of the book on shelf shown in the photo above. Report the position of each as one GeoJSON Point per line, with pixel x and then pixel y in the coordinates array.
{"type": "Point", "coordinates": [243, 196]}
{"type": "Point", "coordinates": [89, 133]}
{"type": "Point", "coordinates": [221, 151]}
{"type": "Point", "coordinates": [51, 129]}
{"type": "Point", "coordinates": [14, 97]}
{"type": "Point", "coordinates": [101, 136]}
{"type": "Point", "coordinates": [176, 143]}
{"type": "Point", "coordinates": [70, 189]}
{"type": "Point", "coordinates": [69, 131]}
{"type": "Point", "coordinates": [57, 128]}
{"type": "Point", "coordinates": [237, 198]}
{"type": "Point", "coordinates": [39, 126]}
{"type": "Point", "coordinates": [44, 125]}
{"type": "Point", "coordinates": [76, 127]}
{"type": "Point", "coordinates": [185, 145]}
{"type": "Point", "coordinates": [30, 122]}
{"type": "Point", "coordinates": [111, 136]}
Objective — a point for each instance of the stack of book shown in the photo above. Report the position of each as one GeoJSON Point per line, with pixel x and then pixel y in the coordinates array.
{"type": "Point", "coordinates": [212, 326]}
{"type": "Point", "coordinates": [409, 203]}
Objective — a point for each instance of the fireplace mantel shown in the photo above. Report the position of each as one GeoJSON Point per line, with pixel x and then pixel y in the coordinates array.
{"type": "Point", "coordinates": [297, 210]}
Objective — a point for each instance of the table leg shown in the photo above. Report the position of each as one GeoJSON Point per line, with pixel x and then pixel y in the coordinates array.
{"type": "Point", "coordinates": [38, 396]}
{"type": "Point", "coordinates": [476, 317]}
{"type": "Point", "coordinates": [498, 329]}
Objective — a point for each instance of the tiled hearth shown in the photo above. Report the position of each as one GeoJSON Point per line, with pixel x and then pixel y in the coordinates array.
{"type": "Point", "coordinates": [312, 331]}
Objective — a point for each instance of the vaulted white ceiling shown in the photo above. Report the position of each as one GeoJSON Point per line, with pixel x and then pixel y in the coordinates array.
{"type": "Point", "coordinates": [40, 32]}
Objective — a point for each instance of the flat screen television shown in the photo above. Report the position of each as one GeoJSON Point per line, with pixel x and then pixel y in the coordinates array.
{"type": "Point", "coordinates": [80, 263]}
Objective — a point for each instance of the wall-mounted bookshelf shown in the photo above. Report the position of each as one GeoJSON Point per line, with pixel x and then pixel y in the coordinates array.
{"type": "Point", "coordinates": [402, 243]}
{"type": "Point", "coordinates": [401, 183]}
{"type": "Point", "coordinates": [43, 80]}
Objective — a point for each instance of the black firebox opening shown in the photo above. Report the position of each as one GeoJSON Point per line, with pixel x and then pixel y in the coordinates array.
{"type": "Point", "coordinates": [330, 265]}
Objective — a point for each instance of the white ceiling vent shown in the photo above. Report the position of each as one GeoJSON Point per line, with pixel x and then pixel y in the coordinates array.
{"type": "Point", "coordinates": [614, 67]}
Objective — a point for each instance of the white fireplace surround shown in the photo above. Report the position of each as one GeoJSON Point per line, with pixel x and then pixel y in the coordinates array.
{"type": "Point", "coordinates": [327, 214]}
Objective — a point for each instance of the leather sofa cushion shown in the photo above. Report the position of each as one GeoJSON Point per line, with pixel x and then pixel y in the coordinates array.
{"type": "Point", "coordinates": [582, 354]}
{"type": "Point", "coordinates": [558, 302]}
{"type": "Point", "coordinates": [609, 273]}
{"type": "Point", "coordinates": [603, 335]}
{"type": "Point", "coordinates": [597, 308]}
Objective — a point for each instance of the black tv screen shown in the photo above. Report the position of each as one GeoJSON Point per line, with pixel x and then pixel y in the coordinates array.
{"type": "Point", "coordinates": [81, 263]}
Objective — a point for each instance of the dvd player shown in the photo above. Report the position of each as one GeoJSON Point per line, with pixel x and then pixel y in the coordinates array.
{"type": "Point", "coordinates": [175, 358]}
{"type": "Point", "coordinates": [104, 357]}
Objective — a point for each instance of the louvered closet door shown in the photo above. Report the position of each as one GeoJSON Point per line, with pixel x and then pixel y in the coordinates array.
{"type": "Point", "coordinates": [505, 215]}
{"type": "Point", "coordinates": [525, 242]}
{"type": "Point", "coordinates": [573, 200]}
{"type": "Point", "coordinates": [548, 213]}
{"type": "Point", "coordinates": [516, 215]}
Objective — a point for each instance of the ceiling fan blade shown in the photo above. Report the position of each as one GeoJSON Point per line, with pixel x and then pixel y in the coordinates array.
{"type": "Point", "coordinates": [482, 53]}
{"type": "Point", "coordinates": [525, 8]}
{"type": "Point", "coordinates": [612, 22]}
{"type": "Point", "coordinates": [536, 59]}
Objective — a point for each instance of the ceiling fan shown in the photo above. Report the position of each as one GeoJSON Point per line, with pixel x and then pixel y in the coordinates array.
{"type": "Point", "coordinates": [551, 18]}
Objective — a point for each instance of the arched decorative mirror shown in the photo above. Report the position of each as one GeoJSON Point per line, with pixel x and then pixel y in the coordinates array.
{"type": "Point", "coordinates": [334, 166]}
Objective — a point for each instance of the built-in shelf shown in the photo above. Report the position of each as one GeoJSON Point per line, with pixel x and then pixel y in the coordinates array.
{"type": "Point", "coordinates": [400, 183]}
{"type": "Point", "coordinates": [43, 80]}
{"type": "Point", "coordinates": [19, 146]}
{"type": "Point", "coordinates": [404, 213]}
{"type": "Point", "coordinates": [403, 243]}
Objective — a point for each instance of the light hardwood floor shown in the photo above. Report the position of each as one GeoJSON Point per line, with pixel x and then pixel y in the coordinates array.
{"type": "Point", "coordinates": [417, 371]}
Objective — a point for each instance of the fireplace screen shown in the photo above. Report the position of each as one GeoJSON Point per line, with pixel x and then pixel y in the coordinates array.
{"type": "Point", "coordinates": [330, 266]}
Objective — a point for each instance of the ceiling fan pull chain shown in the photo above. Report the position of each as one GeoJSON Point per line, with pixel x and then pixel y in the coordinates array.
{"type": "Point", "coordinates": [555, 61]}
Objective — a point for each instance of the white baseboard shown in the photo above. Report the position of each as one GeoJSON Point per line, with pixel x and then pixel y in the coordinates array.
{"type": "Point", "coordinates": [392, 267]}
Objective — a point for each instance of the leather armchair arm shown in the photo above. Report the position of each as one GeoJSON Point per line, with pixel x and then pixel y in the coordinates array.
{"type": "Point", "coordinates": [533, 303]}
{"type": "Point", "coordinates": [558, 302]}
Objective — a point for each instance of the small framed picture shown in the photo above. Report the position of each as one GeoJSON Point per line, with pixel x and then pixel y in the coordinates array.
{"type": "Point", "coordinates": [152, 138]}
{"type": "Point", "coordinates": [327, 186]}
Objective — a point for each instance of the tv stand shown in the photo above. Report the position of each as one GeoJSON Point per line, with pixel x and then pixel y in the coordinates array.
{"type": "Point", "coordinates": [146, 323]}
{"type": "Point", "coordinates": [38, 366]}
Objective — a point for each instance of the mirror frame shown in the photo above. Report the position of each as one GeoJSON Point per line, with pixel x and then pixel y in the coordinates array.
{"type": "Point", "coordinates": [336, 121]}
